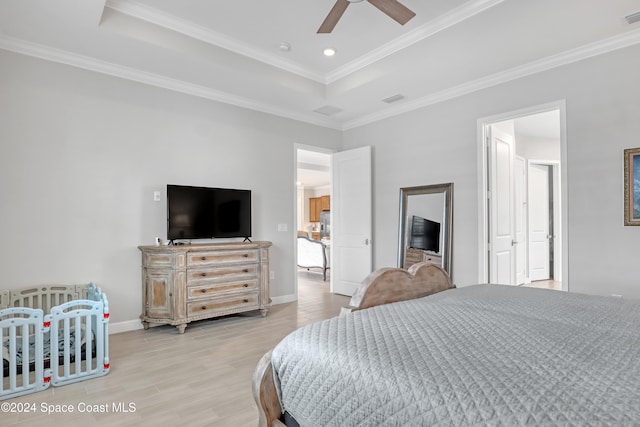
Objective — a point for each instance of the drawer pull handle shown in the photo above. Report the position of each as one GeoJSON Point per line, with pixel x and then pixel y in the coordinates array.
{"type": "Point", "coordinates": [245, 270]}
{"type": "Point", "coordinates": [246, 285]}
{"type": "Point", "coordinates": [204, 307]}
{"type": "Point", "coordinates": [245, 300]}
{"type": "Point", "coordinates": [246, 255]}
{"type": "Point", "coordinates": [204, 274]}
{"type": "Point", "coordinates": [204, 258]}
{"type": "Point", "coordinates": [204, 291]}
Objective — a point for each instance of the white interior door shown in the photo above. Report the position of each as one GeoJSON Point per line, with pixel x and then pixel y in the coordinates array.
{"type": "Point", "coordinates": [539, 222]}
{"type": "Point", "coordinates": [521, 220]}
{"type": "Point", "coordinates": [351, 247]}
{"type": "Point", "coordinates": [502, 222]}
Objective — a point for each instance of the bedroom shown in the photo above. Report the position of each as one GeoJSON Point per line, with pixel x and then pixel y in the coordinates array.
{"type": "Point", "coordinates": [84, 151]}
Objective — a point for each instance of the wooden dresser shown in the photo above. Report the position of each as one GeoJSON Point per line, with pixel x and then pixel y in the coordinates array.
{"type": "Point", "coordinates": [184, 283]}
{"type": "Point", "coordinates": [414, 256]}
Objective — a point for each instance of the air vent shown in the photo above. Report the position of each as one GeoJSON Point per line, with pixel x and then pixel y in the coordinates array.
{"type": "Point", "coordinates": [634, 17]}
{"type": "Point", "coordinates": [393, 98]}
{"type": "Point", "coordinates": [327, 110]}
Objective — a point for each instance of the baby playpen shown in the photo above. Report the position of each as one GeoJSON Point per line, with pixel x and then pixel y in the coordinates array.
{"type": "Point", "coordinates": [52, 335]}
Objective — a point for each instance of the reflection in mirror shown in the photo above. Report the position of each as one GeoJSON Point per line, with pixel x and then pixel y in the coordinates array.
{"type": "Point", "coordinates": [425, 228]}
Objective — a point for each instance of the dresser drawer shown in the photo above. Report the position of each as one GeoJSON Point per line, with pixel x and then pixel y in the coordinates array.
{"type": "Point", "coordinates": [433, 259]}
{"type": "Point", "coordinates": [214, 289]}
{"type": "Point", "coordinates": [231, 272]}
{"type": "Point", "coordinates": [202, 259]}
{"type": "Point", "coordinates": [163, 259]}
{"type": "Point", "coordinates": [218, 305]}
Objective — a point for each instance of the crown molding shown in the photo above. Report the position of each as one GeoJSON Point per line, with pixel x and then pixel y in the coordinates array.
{"type": "Point", "coordinates": [48, 53]}
{"type": "Point", "coordinates": [198, 32]}
{"type": "Point", "coordinates": [190, 29]}
{"type": "Point", "coordinates": [449, 19]}
{"type": "Point", "coordinates": [600, 47]}
{"type": "Point", "coordinates": [60, 56]}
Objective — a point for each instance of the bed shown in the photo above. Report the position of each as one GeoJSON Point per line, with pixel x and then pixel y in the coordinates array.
{"type": "Point", "coordinates": [478, 355]}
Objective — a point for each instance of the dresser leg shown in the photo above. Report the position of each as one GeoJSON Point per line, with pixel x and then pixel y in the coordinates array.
{"type": "Point", "coordinates": [181, 327]}
{"type": "Point", "coordinates": [145, 325]}
{"type": "Point", "coordinates": [263, 311]}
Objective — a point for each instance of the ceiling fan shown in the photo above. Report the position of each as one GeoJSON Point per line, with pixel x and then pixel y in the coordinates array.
{"type": "Point", "coordinates": [392, 8]}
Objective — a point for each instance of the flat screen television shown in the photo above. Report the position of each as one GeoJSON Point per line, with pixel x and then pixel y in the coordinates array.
{"type": "Point", "coordinates": [425, 234]}
{"type": "Point", "coordinates": [205, 213]}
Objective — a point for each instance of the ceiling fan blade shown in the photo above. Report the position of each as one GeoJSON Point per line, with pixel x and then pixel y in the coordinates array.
{"type": "Point", "coordinates": [334, 16]}
{"type": "Point", "coordinates": [394, 9]}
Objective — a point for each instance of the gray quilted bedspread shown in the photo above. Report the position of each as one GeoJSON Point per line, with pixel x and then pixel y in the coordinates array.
{"type": "Point", "coordinates": [479, 355]}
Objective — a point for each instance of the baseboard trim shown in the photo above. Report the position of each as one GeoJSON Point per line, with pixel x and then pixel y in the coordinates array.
{"type": "Point", "coordinates": [126, 326]}
{"type": "Point", "coordinates": [284, 299]}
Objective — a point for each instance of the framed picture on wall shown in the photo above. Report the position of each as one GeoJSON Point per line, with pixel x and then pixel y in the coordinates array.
{"type": "Point", "coordinates": [632, 186]}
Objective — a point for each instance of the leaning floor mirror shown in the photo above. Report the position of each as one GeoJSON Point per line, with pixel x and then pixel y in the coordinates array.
{"type": "Point", "coordinates": [426, 225]}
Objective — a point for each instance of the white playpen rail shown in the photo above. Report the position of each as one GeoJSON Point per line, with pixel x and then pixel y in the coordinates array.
{"type": "Point", "coordinates": [86, 318]}
{"type": "Point", "coordinates": [16, 323]}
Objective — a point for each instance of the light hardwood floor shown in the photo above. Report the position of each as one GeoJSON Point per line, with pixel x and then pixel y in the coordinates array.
{"type": "Point", "coordinates": [199, 378]}
{"type": "Point", "coordinates": [545, 284]}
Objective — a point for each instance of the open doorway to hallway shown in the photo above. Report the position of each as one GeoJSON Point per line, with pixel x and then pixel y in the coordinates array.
{"type": "Point", "coordinates": [313, 206]}
{"type": "Point", "coordinates": [523, 209]}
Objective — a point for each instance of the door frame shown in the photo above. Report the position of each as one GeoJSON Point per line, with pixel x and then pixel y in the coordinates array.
{"type": "Point", "coordinates": [482, 171]}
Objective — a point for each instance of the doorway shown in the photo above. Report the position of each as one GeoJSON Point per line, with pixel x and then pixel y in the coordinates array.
{"type": "Point", "coordinates": [350, 214]}
{"type": "Point", "coordinates": [522, 188]}
{"type": "Point", "coordinates": [313, 207]}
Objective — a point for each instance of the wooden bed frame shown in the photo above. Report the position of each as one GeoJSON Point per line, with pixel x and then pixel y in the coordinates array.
{"type": "Point", "coordinates": [383, 286]}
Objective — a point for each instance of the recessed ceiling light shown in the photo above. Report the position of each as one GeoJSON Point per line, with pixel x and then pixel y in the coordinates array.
{"type": "Point", "coordinates": [329, 51]}
{"type": "Point", "coordinates": [285, 47]}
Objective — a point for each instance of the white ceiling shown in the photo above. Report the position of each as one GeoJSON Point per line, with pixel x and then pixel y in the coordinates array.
{"type": "Point", "coordinates": [314, 169]}
{"type": "Point", "coordinates": [228, 51]}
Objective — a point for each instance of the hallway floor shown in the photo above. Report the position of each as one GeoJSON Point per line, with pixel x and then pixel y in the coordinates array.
{"type": "Point", "coordinates": [545, 284]}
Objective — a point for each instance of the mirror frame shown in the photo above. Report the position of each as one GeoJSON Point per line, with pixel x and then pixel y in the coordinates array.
{"type": "Point", "coordinates": [447, 190]}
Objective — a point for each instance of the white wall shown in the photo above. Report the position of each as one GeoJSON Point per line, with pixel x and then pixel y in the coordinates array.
{"type": "Point", "coordinates": [82, 153]}
{"type": "Point", "coordinates": [537, 148]}
{"type": "Point", "coordinates": [438, 144]}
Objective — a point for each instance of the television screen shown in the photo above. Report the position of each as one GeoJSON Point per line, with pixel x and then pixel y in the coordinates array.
{"type": "Point", "coordinates": [203, 213]}
{"type": "Point", "coordinates": [425, 234]}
